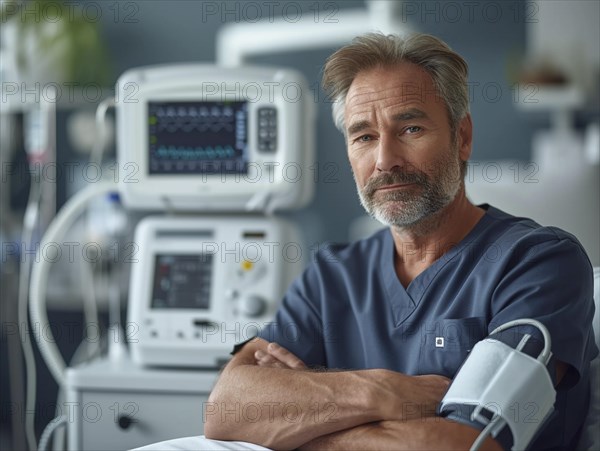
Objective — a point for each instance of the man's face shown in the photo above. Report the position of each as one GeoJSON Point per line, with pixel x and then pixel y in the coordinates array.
{"type": "Point", "coordinates": [405, 161]}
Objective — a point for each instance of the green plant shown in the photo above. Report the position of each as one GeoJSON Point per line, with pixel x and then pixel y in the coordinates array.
{"type": "Point", "coordinates": [63, 35]}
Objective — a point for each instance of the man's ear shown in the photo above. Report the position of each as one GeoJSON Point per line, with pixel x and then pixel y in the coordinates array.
{"type": "Point", "coordinates": [465, 137]}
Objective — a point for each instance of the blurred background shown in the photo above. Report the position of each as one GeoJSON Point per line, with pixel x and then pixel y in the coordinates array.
{"type": "Point", "coordinates": [534, 71]}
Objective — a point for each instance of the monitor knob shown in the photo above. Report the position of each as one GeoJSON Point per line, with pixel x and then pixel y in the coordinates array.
{"type": "Point", "coordinates": [252, 306]}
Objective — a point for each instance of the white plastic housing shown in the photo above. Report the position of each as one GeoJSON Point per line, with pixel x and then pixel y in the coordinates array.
{"type": "Point", "coordinates": [278, 179]}
{"type": "Point", "coordinates": [252, 262]}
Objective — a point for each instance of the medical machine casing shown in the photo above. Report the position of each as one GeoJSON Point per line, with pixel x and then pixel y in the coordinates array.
{"type": "Point", "coordinates": [116, 405]}
{"type": "Point", "coordinates": [203, 284]}
{"type": "Point", "coordinates": [164, 112]}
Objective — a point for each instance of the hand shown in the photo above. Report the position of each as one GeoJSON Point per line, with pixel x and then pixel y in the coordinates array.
{"type": "Point", "coordinates": [433, 384]}
{"type": "Point", "coordinates": [278, 357]}
{"type": "Point", "coordinates": [403, 397]}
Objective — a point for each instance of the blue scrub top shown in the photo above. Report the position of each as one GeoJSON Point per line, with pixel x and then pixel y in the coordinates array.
{"type": "Point", "coordinates": [349, 310]}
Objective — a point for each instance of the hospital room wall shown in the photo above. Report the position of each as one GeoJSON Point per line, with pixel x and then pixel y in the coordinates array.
{"type": "Point", "coordinates": [175, 31]}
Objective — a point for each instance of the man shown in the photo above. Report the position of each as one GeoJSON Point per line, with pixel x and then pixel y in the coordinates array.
{"type": "Point", "coordinates": [369, 337]}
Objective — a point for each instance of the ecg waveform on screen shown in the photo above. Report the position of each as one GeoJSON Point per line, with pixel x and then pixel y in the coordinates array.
{"type": "Point", "coordinates": [195, 118]}
{"type": "Point", "coordinates": [194, 153]}
{"type": "Point", "coordinates": [197, 137]}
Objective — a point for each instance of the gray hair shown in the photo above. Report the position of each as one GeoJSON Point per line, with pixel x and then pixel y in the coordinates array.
{"type": "Point", "coordinates": [447, 69]}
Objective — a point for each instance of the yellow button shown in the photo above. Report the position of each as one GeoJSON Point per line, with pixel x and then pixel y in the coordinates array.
{"type": "Point", "coordinates": [247, 265]}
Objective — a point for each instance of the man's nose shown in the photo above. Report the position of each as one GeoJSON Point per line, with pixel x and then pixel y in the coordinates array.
{"type": "Point", "coordinates": [390, 154]}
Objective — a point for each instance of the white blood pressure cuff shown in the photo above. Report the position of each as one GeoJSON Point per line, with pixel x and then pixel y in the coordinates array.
{"type": "Point", "coordinates": [503, 390]}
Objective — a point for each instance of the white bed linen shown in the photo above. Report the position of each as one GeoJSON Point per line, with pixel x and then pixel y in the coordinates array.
{"type": "Point", "coordinates": [200, 442]}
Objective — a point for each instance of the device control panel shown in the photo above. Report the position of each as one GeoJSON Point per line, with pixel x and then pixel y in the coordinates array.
{"type": "Point", "coordinates": [202, 285]}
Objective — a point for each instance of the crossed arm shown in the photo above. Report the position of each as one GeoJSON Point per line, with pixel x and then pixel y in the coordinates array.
{"type": "Point", "coordinates": [376, 409]}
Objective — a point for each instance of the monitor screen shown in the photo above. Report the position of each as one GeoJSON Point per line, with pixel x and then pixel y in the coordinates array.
{"type": "Point", "coordinates": [198, 137]}
{"type": "Point", "coordinates": [182, 281]}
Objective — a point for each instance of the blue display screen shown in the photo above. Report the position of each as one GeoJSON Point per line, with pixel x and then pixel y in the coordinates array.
{"type": "Point", "coordinates": [182, 281]}
{"type": "Point", "coordinates": [198, 137]}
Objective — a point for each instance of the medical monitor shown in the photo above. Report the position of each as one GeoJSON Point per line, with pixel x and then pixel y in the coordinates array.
{"type": "Point", "coordinates": [200, 137]}
{"type": "Point", "coordinates": [202, 284]}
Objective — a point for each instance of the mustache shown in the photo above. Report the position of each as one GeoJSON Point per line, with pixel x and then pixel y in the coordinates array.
{"type": "Point", "coordinates": [395, 176]}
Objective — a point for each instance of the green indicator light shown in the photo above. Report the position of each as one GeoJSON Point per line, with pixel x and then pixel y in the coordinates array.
{"type": "Point", "coordinates": [152, 139]}
{"type": "Point", "coordinates": [152, 120]}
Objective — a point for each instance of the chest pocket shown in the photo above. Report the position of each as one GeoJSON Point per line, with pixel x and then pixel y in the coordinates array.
{"type": "Point", "coordinates": [445, 344]}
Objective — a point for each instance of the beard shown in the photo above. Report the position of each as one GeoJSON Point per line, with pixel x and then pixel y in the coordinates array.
{"type": "Point", "coordinates": [427, 194]}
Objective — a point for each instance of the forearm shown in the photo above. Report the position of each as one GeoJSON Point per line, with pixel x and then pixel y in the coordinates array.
{"type": "Point", "coordinates": [429, 433]}
{"type": "Point", "coordinates": [281, 408]}
{"type": "Point", "coordinates": [284, 408]}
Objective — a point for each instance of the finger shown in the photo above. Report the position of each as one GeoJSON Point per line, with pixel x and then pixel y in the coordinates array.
{"type": "Point", "coordinates": [264, 359]}
{"type": "Point", "coordinates": [272, 363]}
{"type": "Point", "coordinates": [285, 356]}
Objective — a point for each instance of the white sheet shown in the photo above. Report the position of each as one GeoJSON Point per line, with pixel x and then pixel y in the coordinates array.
{"type": "Point", "coordinates": [200, 443]}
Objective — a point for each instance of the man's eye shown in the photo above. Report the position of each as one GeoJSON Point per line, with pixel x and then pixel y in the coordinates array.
{"type": "Point", "coordinates": [364, 138]}
{"type": "Point", "coordinates": [413, 129]}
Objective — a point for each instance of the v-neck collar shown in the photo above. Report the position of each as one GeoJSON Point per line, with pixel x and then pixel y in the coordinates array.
{"type": "Point", "coordinates": [404, 301]}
